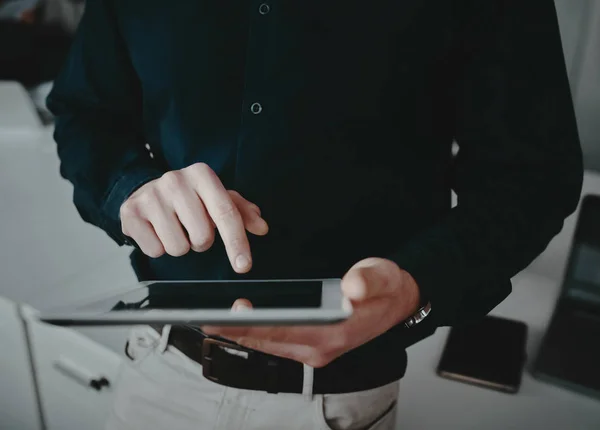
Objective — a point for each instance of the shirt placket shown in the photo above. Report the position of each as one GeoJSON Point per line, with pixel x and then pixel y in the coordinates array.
{"type": "Point", "coordinates": [257, 97]}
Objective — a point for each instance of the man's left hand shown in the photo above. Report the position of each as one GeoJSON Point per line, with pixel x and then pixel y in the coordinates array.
{"type": "Point", "coordinates": [382, 295]}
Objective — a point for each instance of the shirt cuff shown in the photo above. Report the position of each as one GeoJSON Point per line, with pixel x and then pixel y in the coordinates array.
{"type": "Point", "coordinates": [430, 280]}
{"type": "Point", "coordinates": [434, 260]}
{"type": "Point", "coordinates": [416, 260]}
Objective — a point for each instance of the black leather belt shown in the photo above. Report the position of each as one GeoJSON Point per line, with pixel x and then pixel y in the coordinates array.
{"type": "Point", "coordinates": [229, 364]}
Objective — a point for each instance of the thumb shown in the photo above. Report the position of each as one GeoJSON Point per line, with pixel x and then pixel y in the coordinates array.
{"type": "Point", "coordinates": [371, 278]}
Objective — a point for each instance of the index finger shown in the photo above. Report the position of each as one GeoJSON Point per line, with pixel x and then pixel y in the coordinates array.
{"type": "Point", "coordinates": [227, 218]}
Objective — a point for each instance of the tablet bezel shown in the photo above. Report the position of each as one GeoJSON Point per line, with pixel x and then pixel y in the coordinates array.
{"type": "Point", "coordinates": [334, 308]}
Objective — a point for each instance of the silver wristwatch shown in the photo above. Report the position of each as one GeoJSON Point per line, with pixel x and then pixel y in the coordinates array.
{"type": "Point", "coordinates": [419, 316]}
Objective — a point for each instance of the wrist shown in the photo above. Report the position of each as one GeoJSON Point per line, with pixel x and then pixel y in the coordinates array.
{"type": "Point", "coordinates": [408, 296]}
{"type": "Point", "coordinates": [411, 293]}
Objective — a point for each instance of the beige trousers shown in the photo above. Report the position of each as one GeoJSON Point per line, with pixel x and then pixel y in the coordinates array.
{"type": "Point", "coordinates": [164, 389]}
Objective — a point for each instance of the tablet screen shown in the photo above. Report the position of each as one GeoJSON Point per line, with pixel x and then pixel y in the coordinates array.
{"type": "Point", "coordinates": [222, 295]}
{"type": "Point", "coordinates": [214, 295]}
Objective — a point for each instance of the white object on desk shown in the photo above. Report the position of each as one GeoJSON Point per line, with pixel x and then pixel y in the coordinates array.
{"type": "Point", "coordinates": [81, 374]}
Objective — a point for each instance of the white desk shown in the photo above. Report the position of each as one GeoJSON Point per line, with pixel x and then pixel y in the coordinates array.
{"type": "Point", "coordinates": [19, 409]}
{"type": "Point", "coordinates": [64, 402]}
{"type": "Point", "coordinates": [65, 363]}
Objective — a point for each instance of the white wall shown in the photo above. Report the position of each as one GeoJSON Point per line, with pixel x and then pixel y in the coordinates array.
{"type": "Point", "coordinates": [580, 29]}
{"type": "Point", "coordinates": [588, 92]}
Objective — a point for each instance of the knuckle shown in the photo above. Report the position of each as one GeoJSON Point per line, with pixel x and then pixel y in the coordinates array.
{"type": "Point", "coordinates": [339, 341]}
{"type": "Point", "coordinates": [154, 252]}
{"type": "Point", "coordinates": [237, 243]}
{"type": "Point", "coordinates": [172, 180]}
{"type": "Point", "coordinates": [199, 168]}
{"type": "Point", "coordinates": [248, 343]}
{"type": "Point", "coordinates": [234, 193]}
{"type": "Point", "coordinates": [318, 361]}
{"type": "Point", "coordinates": [203, 244]}
{"type": "Point", "coordinates": [125, 226]}
{"type": "Point", "coordinates": [129, 210]}
{"type": "Point", "coordinates": [226, 210]}
{"type": "Point", "coordinates": [179, 250]}
{"type": "Point", "coordinates": [334, 344]}
{"type": "Point", "coordinates": [147, 198]}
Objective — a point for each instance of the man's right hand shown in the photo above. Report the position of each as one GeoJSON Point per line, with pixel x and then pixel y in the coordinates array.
{"type": "Point", "coordinates": [180, 211]}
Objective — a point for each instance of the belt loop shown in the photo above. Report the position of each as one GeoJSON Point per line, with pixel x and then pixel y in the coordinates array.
{"type": "Point", "coordinates": [164, 339]}
{"type": "Point", "coordinates": [307, 382]}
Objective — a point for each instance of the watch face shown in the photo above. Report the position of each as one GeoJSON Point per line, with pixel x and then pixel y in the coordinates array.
{"type": "Point", "coordinates": [419, 316]}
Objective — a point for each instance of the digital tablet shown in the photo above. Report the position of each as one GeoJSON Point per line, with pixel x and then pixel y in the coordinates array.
{"type": "Point", "coordinates": [274, 302]}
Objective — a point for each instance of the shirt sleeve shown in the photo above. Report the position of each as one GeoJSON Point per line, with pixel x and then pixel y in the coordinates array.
{"type": "Point", "coordinates": [518, 173]}
{"type": "Point", "coordinates": [97, 103]}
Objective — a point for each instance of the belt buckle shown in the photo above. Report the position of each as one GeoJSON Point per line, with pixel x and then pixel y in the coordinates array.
{"type": "Point", "coordinates": [268, 384]}
{"type": "Point", "coordinates": [208, 345]}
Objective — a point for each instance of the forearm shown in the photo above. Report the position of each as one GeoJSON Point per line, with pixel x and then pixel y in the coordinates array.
{"type": "Point", "coordinates": [518, 173]}
{"type": "Point", "coordinates": [104, 165]}
{"type": "Point", "coordinates": [99, 133]}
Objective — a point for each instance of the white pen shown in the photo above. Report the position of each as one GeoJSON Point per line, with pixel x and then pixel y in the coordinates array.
{"type": "Point", "coordinates": [80, 374]}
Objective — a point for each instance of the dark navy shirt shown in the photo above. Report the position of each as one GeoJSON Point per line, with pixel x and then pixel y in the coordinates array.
{"type": "Point", "coordinates": [338, 119]}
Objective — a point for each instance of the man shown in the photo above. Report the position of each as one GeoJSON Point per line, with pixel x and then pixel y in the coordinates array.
{"type": "Point", "coordinates": [324, 129]}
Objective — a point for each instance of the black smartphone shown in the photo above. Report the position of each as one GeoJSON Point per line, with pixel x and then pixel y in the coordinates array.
{"type": "Point", "coordinates": [489, 353]}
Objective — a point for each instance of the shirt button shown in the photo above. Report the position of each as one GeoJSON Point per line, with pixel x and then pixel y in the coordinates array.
{"type": "Point", "coordinates": [256, 108]}
{"type": "Point", "coordinates": [264, 9]}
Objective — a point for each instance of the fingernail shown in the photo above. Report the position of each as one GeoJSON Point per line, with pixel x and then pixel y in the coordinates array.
{"type": "Point", "coordinates": [264, 226]}
{"type": "Point", "coordinates": [242, 262]}
{"type": "Point", "coordinates": [240, 307]}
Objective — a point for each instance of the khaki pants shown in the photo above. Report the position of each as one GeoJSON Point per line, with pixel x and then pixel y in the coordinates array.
{"type": "Point", "coordinates": [164, 389]}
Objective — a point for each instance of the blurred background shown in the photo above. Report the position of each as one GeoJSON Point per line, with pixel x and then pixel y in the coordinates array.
{"type": "Point", "coordinates": [49, 256]}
